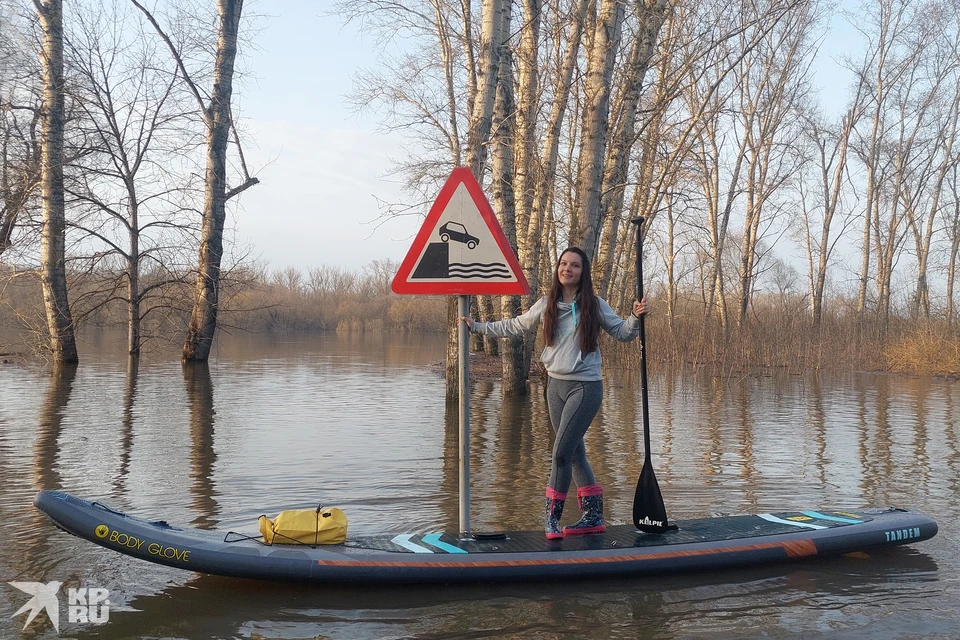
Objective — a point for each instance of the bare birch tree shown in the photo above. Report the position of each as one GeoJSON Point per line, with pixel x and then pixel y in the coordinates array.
{"type": "Point", "coordinates": [772, 85]}
{"type": "Point", "coordinates": [952, 214]}
{"type": "Point", "coordinates": [503, 172]}
{"type": "Point", "coordinates": [908, 85]}
{"type": "Point", "coordinates": [883, 66]}
{"type": "Point", "coordinates": [585, 222]}
{"type": "Point", "coordinates": [923, 201]}
{"type": "Point", "coordinates": [217, 116]}
{"type": "Point", "coordinates": [53, 274]}
{"type": "Point", "coordinates": [650, 17]}
{"type": "Point", "coordinates": [130, 204]}
{"type": "Point", "coordinates": [531, 246]}
{"type": "Point", "coordinates": [831, 156]}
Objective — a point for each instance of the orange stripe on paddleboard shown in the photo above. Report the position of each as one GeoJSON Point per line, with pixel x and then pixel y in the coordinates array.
{"type": "Point", "coordinates": [796, 549]}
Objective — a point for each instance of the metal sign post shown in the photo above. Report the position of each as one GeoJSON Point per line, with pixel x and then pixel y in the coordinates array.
{"type": "Point", "coordinates": [461, 250]}
{"type": "Point", "coordinates": [463, 303]}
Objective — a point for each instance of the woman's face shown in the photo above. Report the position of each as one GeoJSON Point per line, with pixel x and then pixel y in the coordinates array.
{"type": "Point", "coordinates": [570, 269]}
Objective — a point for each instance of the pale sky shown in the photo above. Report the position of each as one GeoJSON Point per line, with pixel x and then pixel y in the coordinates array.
{"type": "Point", "coordinates": [321, 167]}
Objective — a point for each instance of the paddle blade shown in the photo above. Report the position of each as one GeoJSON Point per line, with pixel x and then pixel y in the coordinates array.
{"type": "Point", "coordinates": [649, 514]}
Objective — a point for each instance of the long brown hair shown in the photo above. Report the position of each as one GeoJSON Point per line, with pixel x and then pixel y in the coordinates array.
{"type": "Point", "coordinates": [588, 309]}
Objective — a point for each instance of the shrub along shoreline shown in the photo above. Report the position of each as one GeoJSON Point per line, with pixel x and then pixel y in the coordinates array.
{"type": "Point", "coordinates": [775, 336]}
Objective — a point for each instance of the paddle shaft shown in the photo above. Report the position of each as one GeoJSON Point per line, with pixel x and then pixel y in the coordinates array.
{"type": "Point", "coordinates": [643, 344]}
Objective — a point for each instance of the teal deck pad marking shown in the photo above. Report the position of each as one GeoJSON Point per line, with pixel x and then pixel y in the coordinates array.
{"type": "Point", "coordinates": [403, 540]}
{"type": "Point", "coordinates": [433, 539]}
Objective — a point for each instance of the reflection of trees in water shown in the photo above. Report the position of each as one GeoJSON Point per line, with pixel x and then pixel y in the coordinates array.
{"type": "Point", "coordinates": [449, 485]}
{"type": "Point", "coordinates": [614, 448]}
{"type": "Point", "coordinates": [814, 398]}
{"type": "Point", "coordinates": [483, 512]}
{"type": "Point", "coordinates": [713, 457]}
{"type": "Point", "coordinates": [875, 444]}
{"type": "Point", "coordinates": [36, 559]}
{"type": "Point", "coordinates": [920, 473]}
{"type": "Point", "coordinates": [664, 469]}
{"type": "Point", "coordinates": [202, 454]}
{"type": "Point", "coordinates": [46, 450]}
{"type": "Point", "coordinates": [126, 425]}
{"type": "Point", "coordinates": [745, 436]}
{"type": "Point", "coordinates": [507, 440]}
{"type": "Point", "coordinates": [516, 486]}
{"type": "Point", "coordinates": [883, 439]}
{"type": "Point", "coordinates": [950, 436]}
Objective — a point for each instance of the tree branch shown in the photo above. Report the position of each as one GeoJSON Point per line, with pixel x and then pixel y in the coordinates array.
{"type": "Point", "coordinates": [240, 189]}
{"type": "Point", "coordinates": [179, 60]}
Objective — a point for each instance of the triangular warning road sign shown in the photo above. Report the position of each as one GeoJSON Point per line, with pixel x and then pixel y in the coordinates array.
{"type": "Point", "coordinates": [461, 248]}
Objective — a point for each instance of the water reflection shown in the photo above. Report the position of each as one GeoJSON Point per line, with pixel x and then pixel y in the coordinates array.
{"type": "Point", "coordinates": [753, 601]}
{"type": "Point", "coordinates": [713, 460]}
{"type": "Point", "coordinates": [818, 425]}
{"type": "Point", "coordinates": [919, 400]}
{"type": "Point", "coordinates": [951, 442]}
{"type": "Point", "coordinates": [126, 425]}
{"type": "Point", "coordinates": [665, 462]}
{"type": "Point", "coordinates": [450, 472]}
{"type": "Point", "coordinates": [46, 449]}
{"type": "Point", "coordinates": [379, 438]}
{"type": "Point", "coordinates": [37, 558]}
{"type": "Point", "coordinates": [874, 433]}
{"type": "Point", "coordinates": [745, 443]}
{"type": "Point", "coordinates": [202, 454]}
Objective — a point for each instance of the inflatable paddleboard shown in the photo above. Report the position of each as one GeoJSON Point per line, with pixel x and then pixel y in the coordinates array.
{"type": "Point", "coordinates": [706, 543]}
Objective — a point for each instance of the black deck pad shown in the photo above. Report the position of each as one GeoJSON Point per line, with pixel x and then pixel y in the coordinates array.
{"type": "Point", "coordinates": [617, 536]}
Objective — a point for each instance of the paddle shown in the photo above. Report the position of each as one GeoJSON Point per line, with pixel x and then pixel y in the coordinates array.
{"type": "Point", "coordinates": [649, 514]}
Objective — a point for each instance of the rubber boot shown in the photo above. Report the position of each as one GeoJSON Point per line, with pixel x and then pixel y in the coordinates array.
{"type": "Point", "coordinates": [554, 509]}
{"type": "Point", "coordinates": [590, 499]}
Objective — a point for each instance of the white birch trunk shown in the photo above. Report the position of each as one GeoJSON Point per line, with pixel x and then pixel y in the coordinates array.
{"type": "Point", "coordinates": [53, 234]}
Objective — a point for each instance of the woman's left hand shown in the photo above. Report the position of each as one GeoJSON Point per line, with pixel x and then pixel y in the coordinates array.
{"type": "Point", "coordinates": [640, 308]}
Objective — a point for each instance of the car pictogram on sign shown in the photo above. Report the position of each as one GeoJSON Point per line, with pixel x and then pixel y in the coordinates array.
{"type": "Point", "coordinates": [456, 231]}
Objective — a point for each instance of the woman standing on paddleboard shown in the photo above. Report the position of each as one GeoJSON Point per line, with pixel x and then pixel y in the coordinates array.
{"type": "Point", "coordinates": [572, 318]}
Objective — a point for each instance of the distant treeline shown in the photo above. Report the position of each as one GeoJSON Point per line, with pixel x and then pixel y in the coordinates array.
{"type": "Point", "coordinates": [253, 299]}
{"type": "Point", "coordinates": [329, 298]}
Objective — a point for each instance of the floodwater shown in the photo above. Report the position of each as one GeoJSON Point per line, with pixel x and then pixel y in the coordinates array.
{"type": "Point", "coordinates": [360, 422]}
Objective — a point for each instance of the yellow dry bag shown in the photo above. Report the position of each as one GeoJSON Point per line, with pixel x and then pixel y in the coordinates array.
{"type": "Point", "coordinates": [305, 526]}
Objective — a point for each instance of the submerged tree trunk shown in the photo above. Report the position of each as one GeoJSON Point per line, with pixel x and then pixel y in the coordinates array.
{"type": "Point", "coordinates": [53, 235]}
{"type": "Point", "coordinates": [203, 320]}
{"type": "Point", "coordinates": [218, 120]}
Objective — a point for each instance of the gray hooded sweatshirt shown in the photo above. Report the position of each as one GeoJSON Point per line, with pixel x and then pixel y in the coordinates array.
{"type": "Point", "coordinates": [564, 360]}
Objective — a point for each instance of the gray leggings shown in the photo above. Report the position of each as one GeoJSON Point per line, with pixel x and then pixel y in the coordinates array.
{"type": "Point", "coordinates": [572, 406]}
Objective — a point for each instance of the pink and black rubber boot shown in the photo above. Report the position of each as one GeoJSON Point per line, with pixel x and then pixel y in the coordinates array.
{"type": "Point", "coordinates": [554, 509]}
{"type": "Point", "coordinates": [590, 499]}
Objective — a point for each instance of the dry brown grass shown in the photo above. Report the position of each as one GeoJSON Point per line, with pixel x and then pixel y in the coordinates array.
{"type": "Point", "coordinates": [927, 350]}
{"type": "Point", "coordinates": [250, 301]}
{"type": "Point", "coordinates": [775, 337]}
